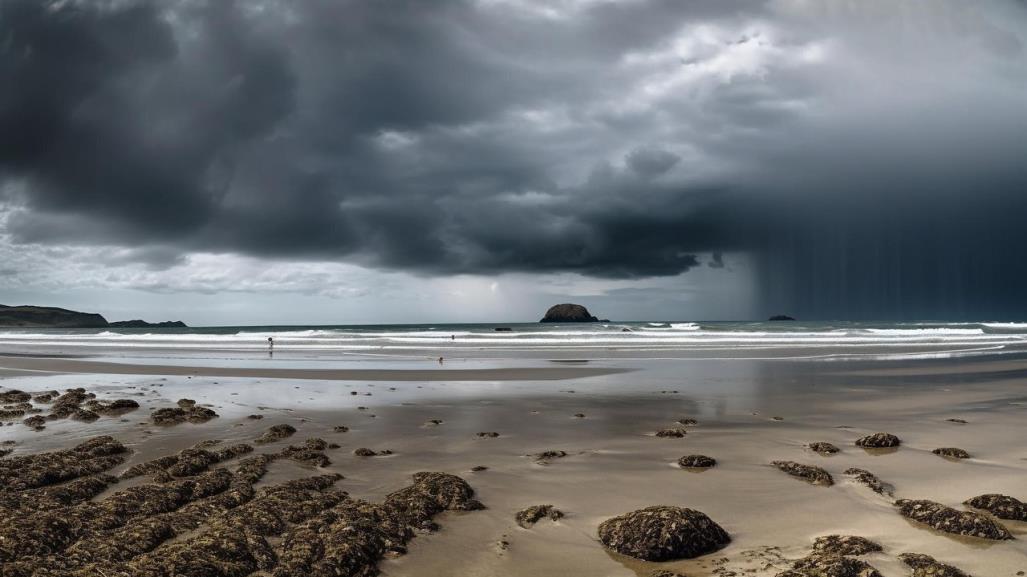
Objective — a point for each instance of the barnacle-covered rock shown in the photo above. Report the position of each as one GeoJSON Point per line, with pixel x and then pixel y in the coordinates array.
{"type": "Point", "coordinates": [823, 447]}
{"type": "Point", "coordinates": [276, 433]}
{"type": "Point", "coordinates": [951, 453]}
{"type": "Point", "coordinates": [844, 545]}
{"type": "Point", "coordinates": [1001, 506]}
{"type": "Point", "coordinates": [927, 566]}
{"type": "Point", "coordinates": [696, 462]}
{"type": "Point", "coordinates": [950, 520]}
{"type": "Point", "coordinates": [870, 480]}
{"type": "Point", "coordinates": [528, 517]}
{"type": "Point", "coordinates": [878, 441]}
{"type": "Point", "coordinates": [662, 533]}
{"type": "Point", "coordinates": [815, 475]}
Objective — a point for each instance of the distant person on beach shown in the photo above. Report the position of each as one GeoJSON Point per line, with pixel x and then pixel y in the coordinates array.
{"type": "Point", "coordinates": [440, 360]}
{"type": "Point", "coordinates": [270, 344]}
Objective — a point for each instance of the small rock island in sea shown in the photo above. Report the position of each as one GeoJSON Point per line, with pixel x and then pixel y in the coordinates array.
{"type": "Point", "coordinates": [568, 313]}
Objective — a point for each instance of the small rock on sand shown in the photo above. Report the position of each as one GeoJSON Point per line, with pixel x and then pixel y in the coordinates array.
{"type": "Point", "coordinates": [952, 453]}
{"type": "Point", "coordinates": [674, 433]}
{"type": "Point", "coordinates": [341, 429]}
{"type": "Point", "coordinates": [844, 545]}
{"type": "Point", "coordinates": [688, 422]}
{"type": "Point", "coordinates": [949, 520]}
{"type": "Point", "coordinates": [814, 475]}
{"type": "Point", "coordinates": [878, 441]}
{"type": "Point", "coordinates": [528, 517]}
{"type": "Point", "coordinates": [927, 566]}
{"type": "Point", "coordinates": [696, 462]}
{"type": "Point", "coordinates": [663, 533]}
{"type": "Point", "coordinates": [479, 468]}
{"type": "Point", "coordinates": [488, 435]}
{"type": "Point", "coordinates": [1001, 506]}
{"type": "Point", "coordinates": [817, 565]}
{"type": "Point", "coordinates": [870, 480]}
{"type": "Point", "coordinates": [823, 447]}
{"type": "Point", "coordinates": [959, 421]}
{"type": "Point", "coordinates": [544, 457]}
{"type": "Point", "coordinates": [365, 452]}
{"type": "Point", "coordinates": [255, 417]}
{"type": "Point", "coordinates": [276, 433]}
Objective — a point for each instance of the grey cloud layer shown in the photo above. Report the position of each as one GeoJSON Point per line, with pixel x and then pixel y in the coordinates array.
{"type": "Point", "coordinates": [868, 156]}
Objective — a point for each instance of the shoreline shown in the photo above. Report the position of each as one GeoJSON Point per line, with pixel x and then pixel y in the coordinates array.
{"type": "Point", "coordinates": [68, 365]}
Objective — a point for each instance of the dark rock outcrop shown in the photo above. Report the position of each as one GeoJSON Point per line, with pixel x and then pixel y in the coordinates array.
{"type": "Point", "coordinates": [141, 324]}
{"type": "Point", "coordinates": [663, 533]}
{"type": "Point", "coordinates": [48, 317]}
{"type": "Point", "coordinates": [949, 520]}
{"type": "Point", "coordinates": [780, 318]}
{"type": "Point", "coordinates": [568, 313]}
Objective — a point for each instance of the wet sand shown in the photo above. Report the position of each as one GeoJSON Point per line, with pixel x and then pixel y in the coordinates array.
{"type": "Point", "coordinates": [749, 413]}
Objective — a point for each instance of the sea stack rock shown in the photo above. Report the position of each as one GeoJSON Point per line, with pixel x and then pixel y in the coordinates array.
{"type": "Point", "coordinates": [568, 313]}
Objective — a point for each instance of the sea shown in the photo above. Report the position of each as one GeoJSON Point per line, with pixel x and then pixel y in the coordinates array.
{"type": "Point", "coordinates": [670, 339]}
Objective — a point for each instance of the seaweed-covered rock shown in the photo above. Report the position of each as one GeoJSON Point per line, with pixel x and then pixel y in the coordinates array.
{"type": "Point", "coordinates": [186, 411]}
{"type": "Point", "coordinates": [927, 566]}
{"type": "Point", "coordinates": [950, 520]}
{"type": "Point", "coordinates": [487, 435]}
{"type": "Point", "coordinates": [878, 441]}
{"type": "Point", "coordinates": [1001, 506]}
{"type": "Point", "coordinates": [951, 453]}
{"type": "Point", "coordinates": [544, 457]}
{"type": "Point", "coordinates": [115, 407]}
{"type": "Point", "coordinates": [688, 422]}
{"type": "Point", "coordinates": [697, 462]}
{"type": "Point", "coordinates": [663, 533]}
{"type": "Point", "coordinates": [870, 480]}
{"type": "Point", "coordinates": [341, 429]}
{"type": "Point", "coordinates": [823, 447]}
{"type": "Point", "coordinates": [14, 396]}
{"type": "Point", "coordinates": [817, 565]}
{"type": "Point", "coordinates": [365, 452]}
{"type": "Point", "coordinates": [36, 422]}
{"type": "Point", "coordinates": [814, 475]}
{"type": "Point", "coordinates": [528, 517]}
{"type": "Point", "coordinates": [276, 433]}
{"type": "Point", "coordinates": [672, 433]}
{"type": "Point", "coordinates": [844, 545]}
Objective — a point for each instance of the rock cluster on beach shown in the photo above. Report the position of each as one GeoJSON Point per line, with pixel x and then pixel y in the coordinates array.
{"type": "Point", "coordinates": [814, 475]}
{"type": "Point", "coordinates": [663, 533]}
{"type": "Point", "coordinates": [198, 520]}
{"type": "Point", "coordinates": [75, 404]}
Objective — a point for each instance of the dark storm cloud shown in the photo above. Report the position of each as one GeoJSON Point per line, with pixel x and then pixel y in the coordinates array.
{"type": "Point", "coordinates": [866, 156]}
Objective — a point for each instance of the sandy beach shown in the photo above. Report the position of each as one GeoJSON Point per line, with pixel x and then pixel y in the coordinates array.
{"type": "Point", "coordinates": [603, 415]}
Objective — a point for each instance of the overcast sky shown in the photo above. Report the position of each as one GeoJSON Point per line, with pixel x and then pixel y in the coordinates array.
{"type": "Point", "coordinates": [332, 161]}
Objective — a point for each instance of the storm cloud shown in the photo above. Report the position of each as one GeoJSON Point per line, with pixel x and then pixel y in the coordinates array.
{"type": "Point", "coordinates": [867, 157]}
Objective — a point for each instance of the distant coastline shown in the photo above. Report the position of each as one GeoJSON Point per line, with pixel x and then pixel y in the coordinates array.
{"type": "Point", "coordinates": [30, 316]}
